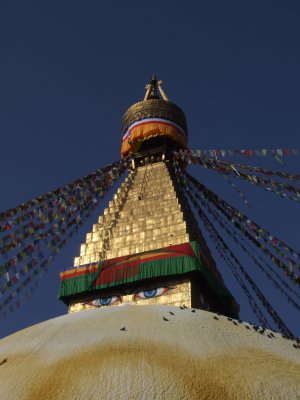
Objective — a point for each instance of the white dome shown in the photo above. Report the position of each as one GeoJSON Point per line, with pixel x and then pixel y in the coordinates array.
{"type": "Point", "coordinates": [188, 355]}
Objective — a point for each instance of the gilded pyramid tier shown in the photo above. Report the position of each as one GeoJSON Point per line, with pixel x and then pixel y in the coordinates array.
{"type": "Point", "coordinates": [144, 215]}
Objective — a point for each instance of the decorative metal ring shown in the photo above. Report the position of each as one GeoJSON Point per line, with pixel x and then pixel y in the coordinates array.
{"type": "Point", "coordinates": [154, 108]}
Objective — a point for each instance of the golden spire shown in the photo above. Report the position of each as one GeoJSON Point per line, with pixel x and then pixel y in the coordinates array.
{"type": "Point", "coordinates": [154, 89]}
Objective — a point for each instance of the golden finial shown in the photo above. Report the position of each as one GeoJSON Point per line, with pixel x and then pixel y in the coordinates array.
{"type": "Point", "coordinates": [154, 89]}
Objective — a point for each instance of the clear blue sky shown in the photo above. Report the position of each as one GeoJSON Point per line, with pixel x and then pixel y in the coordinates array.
{"type": "Point", "coordinates": [69, 69]}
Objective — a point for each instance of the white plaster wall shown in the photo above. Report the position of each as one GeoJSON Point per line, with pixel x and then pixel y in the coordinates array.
{"type": "Point", "coordinates": [193, 355]}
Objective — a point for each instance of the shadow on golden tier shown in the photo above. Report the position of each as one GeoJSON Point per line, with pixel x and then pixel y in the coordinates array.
{"type": "Point", "coordinates": [147, 352]}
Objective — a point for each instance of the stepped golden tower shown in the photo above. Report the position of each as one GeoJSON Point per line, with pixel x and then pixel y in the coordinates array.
{"type": "Point", "coordinates": [147, 247]}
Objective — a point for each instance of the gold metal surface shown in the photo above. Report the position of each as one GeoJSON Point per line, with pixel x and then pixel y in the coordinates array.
{"type": "Point", "coordinates": [140, 225]}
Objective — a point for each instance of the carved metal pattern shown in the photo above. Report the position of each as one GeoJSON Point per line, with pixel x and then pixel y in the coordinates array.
{"type": "Point", "coordinates": [154, 108]}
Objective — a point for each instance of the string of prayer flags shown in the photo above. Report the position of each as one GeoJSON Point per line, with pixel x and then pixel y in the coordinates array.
{"type": "Point", "coordinates": [57, 211]}
{"type": "Point", "coordinates": [275, 317]}
{"type": "Point", "coordinates": [39, 268]}
{"type": "Point", "coordinates": [69, 194]}
{"type": "Point", "coordinates": [265, 171]}
{"type": "Point", "coordinates": [220, 247]}
{"type": "Point", "coordinates": [259, 231]}
{"type": "Point", "coordinates": [235, 170]}
{"type": "Point", "coordinates": [251, 300]}
{"type": "Point", "coordinates": [39, 229]}
{"type": "Point", "coordinates": [245, 225]}
{"type": "Point", "coordinates": [218, 153]}
{"type": "Point", "coordinates": [191, 157]}
{"type": "Point", "coordinates": [278, 188]}
{"type": "Point", "coordinates": [275, 187]}
{"type": "Point", "coordinates": [56, 244]}
{"type": "Point", "coordinates": [242, 243]}
{"type": "Point", "coordinates": [279, 322]}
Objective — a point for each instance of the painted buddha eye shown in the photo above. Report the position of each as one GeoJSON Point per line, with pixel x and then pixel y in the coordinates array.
{"type": "Point", "coordinates": [149, 294]}
{"type": "Point", "coordinates": [105, 301]}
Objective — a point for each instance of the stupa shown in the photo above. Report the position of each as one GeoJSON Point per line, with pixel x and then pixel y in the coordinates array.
{"type": "Point", "coordinates": [148, 243]}
{"type": "Point", "coordinates": [149, 316]}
